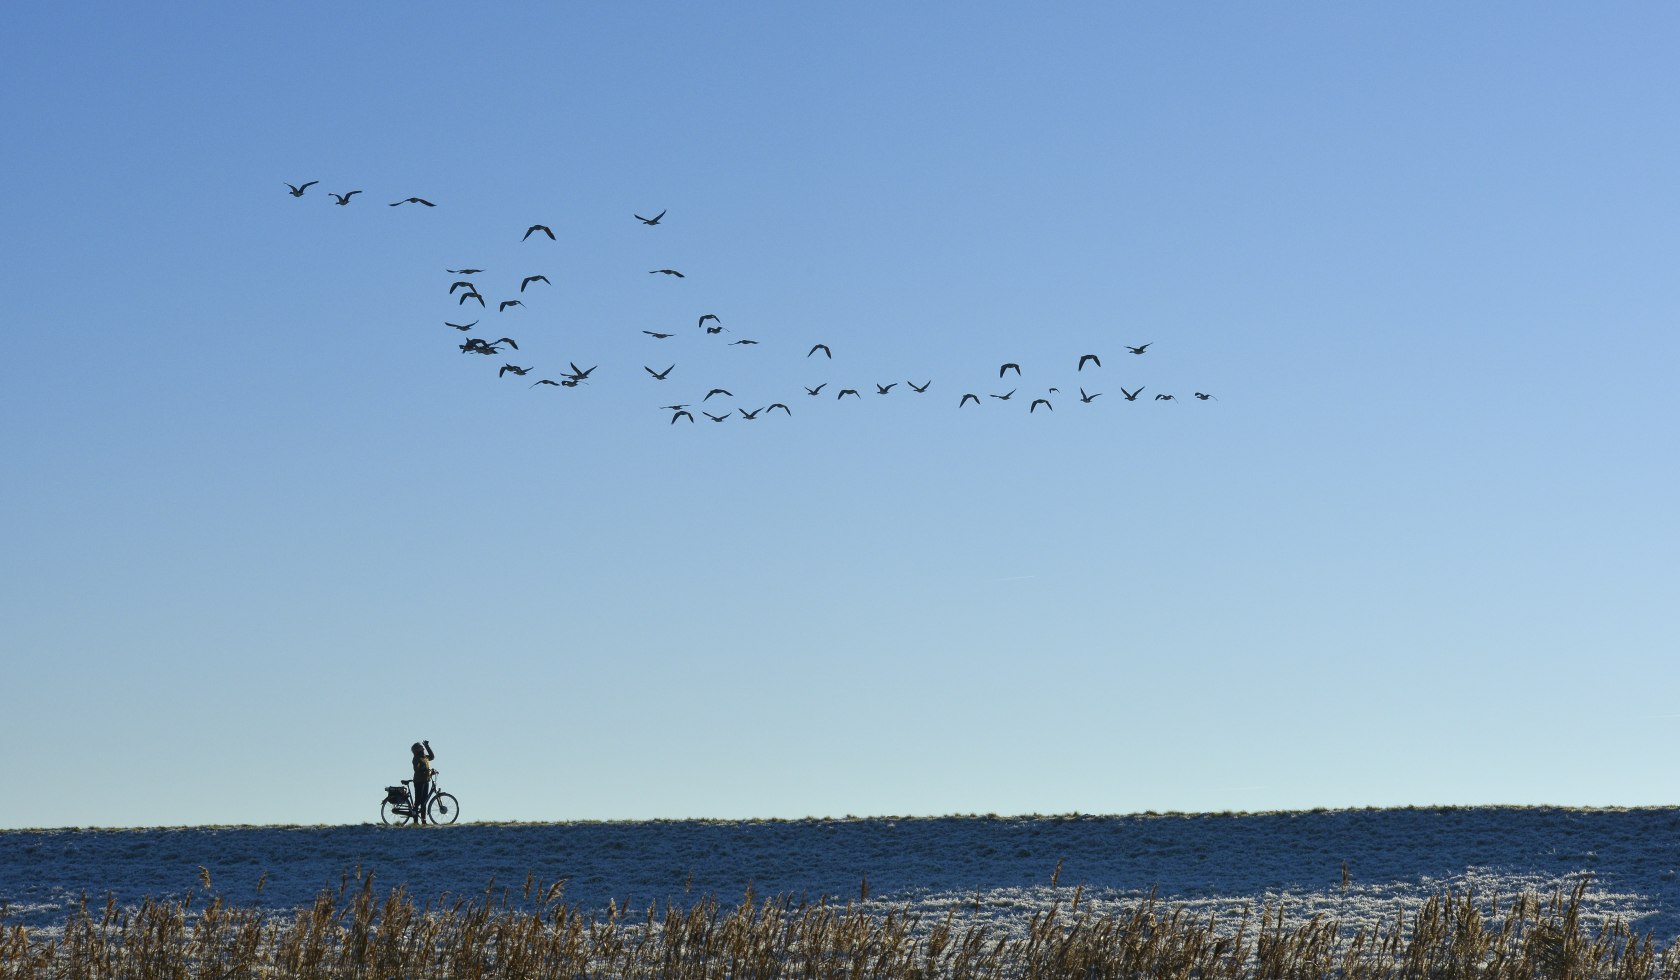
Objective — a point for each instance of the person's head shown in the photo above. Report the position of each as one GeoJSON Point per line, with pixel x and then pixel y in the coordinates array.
{"type": "Point", "coordinates": [417, 750]}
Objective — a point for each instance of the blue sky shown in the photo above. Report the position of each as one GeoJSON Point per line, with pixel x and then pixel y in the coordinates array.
{"type": "Point", "coordinates": [267, 526]}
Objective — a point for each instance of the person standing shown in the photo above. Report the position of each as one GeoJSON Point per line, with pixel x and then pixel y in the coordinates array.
{"type": "Point", "coordinates": [422, 777]}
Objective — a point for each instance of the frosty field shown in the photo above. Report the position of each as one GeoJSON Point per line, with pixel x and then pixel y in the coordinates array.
{"type": "Point", "coordinates": [992, 869]}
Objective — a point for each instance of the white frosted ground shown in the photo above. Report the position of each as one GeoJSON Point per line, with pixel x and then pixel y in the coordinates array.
{"type": "Point", "coordinates": [992, 868]}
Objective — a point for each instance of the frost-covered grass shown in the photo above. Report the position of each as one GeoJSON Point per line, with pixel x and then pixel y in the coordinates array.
{"type": "Point", "coordinates": [1345, 877]}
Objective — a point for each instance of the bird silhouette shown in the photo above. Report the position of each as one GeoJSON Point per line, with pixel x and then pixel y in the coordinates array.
{"type": "Point", "coordinates": [712, 330]}
{"type": "Point", "coordinates": [463, 327]}
{"type": "Point", "coordinates": [716, 418]}
{"type": "Point", "coordinates": [883, 389]}
{"type": "Point", "coordinates": [545, 381]}
{"type": "Point", "coordinates": [651, 221]}
{"type": "Point", "coordinates": [813, 391]}
{"type": "Point", "coordinates": [1140, 350]}
{"type": "Point", "coordinates": [516, 369]}
{"type": "Point", "coordinates": [737, 343]}
{"type": "Point", "coordinates": [1204, 397]}
{"type": "Point", "coordinates": [847, 391]}
{"type": "Point", "coordinates": [1006, 367]}
{"type": "Point", "coordinates": [1004, 398]}
{"type": "Point", "coordinates": [669, 272]}
{"type": "Point", "coordinates": [471, 294]}
{"type": "Point", "coordinates": [414, 200]}
{"type": "Point", "coordinates": [463, 272]}
{"type": "Point", "coordinates": [1131, 396]}
{"type": "Point", "coordinates": [718, 391]}
{"type": "Point", "coordinates": [531, 279]}
{"type": "Point", "coordinates": [1088, 357]}
{"type": "Point", "coordinates": [1165, 398]}
{"type": "Point", "coordinates": [343, 199]}
{"type": "Point", "coordinates": [298, 191]}
{"type": "Point", "coordinates": [1088, 399]}
{"type": "Point", "coordinates": [707, 316]}
{"type": "Point", "coordinates": [542, 228]}
{"type": "Point", "coordinates": [968, 398]}
{"type": "Point", "coordinates": [749, 415]}
{"type": "Point", "coordinates": [921, 389]}
{"type": "Point", "coordinates": [507, 303]}
{"type": "Point", "coordinates": [678, 415]}
{"type": "Point", "coordinates": [578, 374]}
{"type": "Point", "coordinates": [658, 336]}
{"type": "Point", "coordinates": [776, 405]}
{"type": "Point", "coordinates": [462, 284]}
{"type": "Point", "coordinates": [675, 408]}
{"type": "Point", "coordinates": [823, 348]}
{"type": "Point", "coordinates": [1040, 401]}
{"type": "Point", "coordinates": [658, 375]}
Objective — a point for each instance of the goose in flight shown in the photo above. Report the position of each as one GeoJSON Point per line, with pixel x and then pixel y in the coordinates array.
{"type": "Point", "coordinates": [658, 336]}
{"type": "Point", "coordinates": [343, 199]}
{"type": "Point", "coordinates": [1040, 401]}
{"type": "Point", "coordinates": [968, 398]}
{"type": "Point", "coordinates": [1004, 398]}
{"type": "Point", "coordinates": [298, 191]}
{"type": "Point", "coordinates": [1006, 367]}
{"type": "Point", "coordinates": [716, 418]}
{"type": "Point", "coordinates": [658, 375]}
{"type": "Point", "coordinates": [463, 272]}
{"type": "Point", "coordinates": [718, 391]}
{"type": "Point", "coordinates": [531, 279]}
{"type": "Point", "coordinates": [542, 228]}
{"type": "Point", "coordinates": [516, 369]}
{"type": "Point", "coordinates": [675, 408]}
{"type": "Point", "coordinates": [749, 416]}
{"type": "Point", "coordinates": [707, 316]}
{"type": "Point", "coordinates": [1165, 398]}
{"type": "Point", "coordinates": [681, 414]}
{"type": "Point", "coordinates": [414, 200]}
{"type": "Point", "coordinates": [779, 405]}
{"type": "Point", "coordinates": [462, 284]}
{"type": "Point", "coordinates": [712, 330]}
{"type": "Point", "coordinates": [507, 303]}
{"type": "Point", "coordinates": [818, 388]}
{"type": "Point", "coordinates": [1088, 357]}
{"type": "Point", "coordinates": [651, 221]}
{"type": "Point", "coordinates": [1088, 399]}
{"type": "Point", "coordinates": [823, 348]}
{"type": "Point", "coordinates": [847, 391]}
{"type": "Point", "coordinates": [1131, 396]}
{"type": "Point", "coordinates": [669, 272]}
{"type": "Point", "coordinates": [737, 343]}
{"type": "Point", "coordinates": [883, 389]}
{"type": "Point", "coordinates": [545, 381]}
{"type": "Point", "coordinates": [578, 374]}
{"type": "Point", "coordinates": [1140, 350]}
{"type": "Point", "coordinates": [463, 327]}
{"type": "Point", "coordinates": [921, 389]}
{"type": "Point", "coordinates": [470, 294]}
{"type": "Point", "coordinates": [1204, 397]}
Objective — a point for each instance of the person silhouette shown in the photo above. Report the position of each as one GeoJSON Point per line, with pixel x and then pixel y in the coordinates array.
{"type": "Point", "coordinates": [422, 777]}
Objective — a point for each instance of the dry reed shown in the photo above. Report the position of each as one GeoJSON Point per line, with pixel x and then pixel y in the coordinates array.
{"type": "Point", "coordinates": [355, 932]}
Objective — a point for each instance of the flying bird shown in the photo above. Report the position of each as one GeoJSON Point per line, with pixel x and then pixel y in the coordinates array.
{"type": "Point", "coordinates": [578, 374]}
{"type": "Point", "coordinates": [507, 303]}
{"type": "Point", "coordinates": [298, 191]}
{"type": "Point", "coordinates": [823, 348]}
{"type": "Point", "coordinates": [462, 283]}
{"type": "Point", "coordinates": [968, 398]}
{"type": "Point", "coordinates": [1140, 350]}
{"type": "Point", "coordinates": [707, 316]}
{"type": "Point", "coordinates": [1165, 398]}
{"type": "Point", "coordinates": [712, 330]}
{"type": "Point", "coordinates": [463, 327]}
{"type": "Point", "coordinates": [343, 199]}
{"type": "Point", "coordinates": [669, 272]}
{"type": "Point", "coordinates": [675, 408]}
{"type": "Point", "coordinates": [658, 375]}
{"type": "Point", "coordinates": [715, 418]}
{"type": "Point", "coordinates": [1006, 367]}
{"type": "Point", "coordinates": [1204, 397]}
{"type": "Point", "coordinates": [749, 415]}
{"type": "Point", "coordinates": [678, 415]}
{"type": "Point", "coordinates": [653, 220]}
{"type": "Point", "coordinates": [1131, 396]}
{"type": "Point", "coordinates": [1004, 398]}
{"type": "Point", "coordinates": [472, 294]}
{"type": "Point", "coordinates": [463, 272]}
{"type": "Point", "coordinates": [531, 279]}
{"type": "Point", "coordinates": [917, 390]}
{"type": "Point", "coordinates": [1040, 401]}
{"type": "Point", "coordinates": [1088, 357]}
{"type": "Point", "coordinates": [736, 343]}
{"type": "Point", "coordinates": [542, 228]}
{"type": "Point", "coordinates": [516, 369]}
{"type": "Point", "coordinates": [883, 389]}
{"type": "Point", "coordinates": [718, 391]}
{"type": "Point", "coordinates": [1088, 399]}
{"type": "Point", "coordinates": [658, 336]}
{"type": "Point", "coordinates": [414, 200]}
{"type": "Point", "coordinates": [779, 405]}
{"type": "Point", "coordinates": [813, 391]}
{"type": "Point", "coordinates": [545, 381]}
{"type": "Point", "coordinates": [847, 391]}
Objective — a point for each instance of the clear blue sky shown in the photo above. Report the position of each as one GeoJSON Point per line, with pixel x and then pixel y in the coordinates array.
{"type": "Point", "coordinates": [266, 526]}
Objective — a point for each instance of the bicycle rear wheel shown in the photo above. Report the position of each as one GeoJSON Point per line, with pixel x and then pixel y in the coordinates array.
{"type": "Point", "coordinates": [390, 813]}
{"type": "Point", "coordinates": [442, 808]}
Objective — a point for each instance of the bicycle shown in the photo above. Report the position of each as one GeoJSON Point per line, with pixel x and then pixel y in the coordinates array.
{"type": "Point", "coordinates": [441, 807]}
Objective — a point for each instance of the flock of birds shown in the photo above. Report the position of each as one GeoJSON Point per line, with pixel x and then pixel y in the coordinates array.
{"type": "Point", "coordinates": [464, 290]}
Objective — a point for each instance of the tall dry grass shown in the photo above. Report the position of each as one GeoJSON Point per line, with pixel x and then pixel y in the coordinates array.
{"type": "Point", "coordinates": [356, 932]}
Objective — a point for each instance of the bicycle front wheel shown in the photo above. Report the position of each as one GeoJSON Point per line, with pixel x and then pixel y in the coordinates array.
{"type": "Point", "coordinates": [442, 808]}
